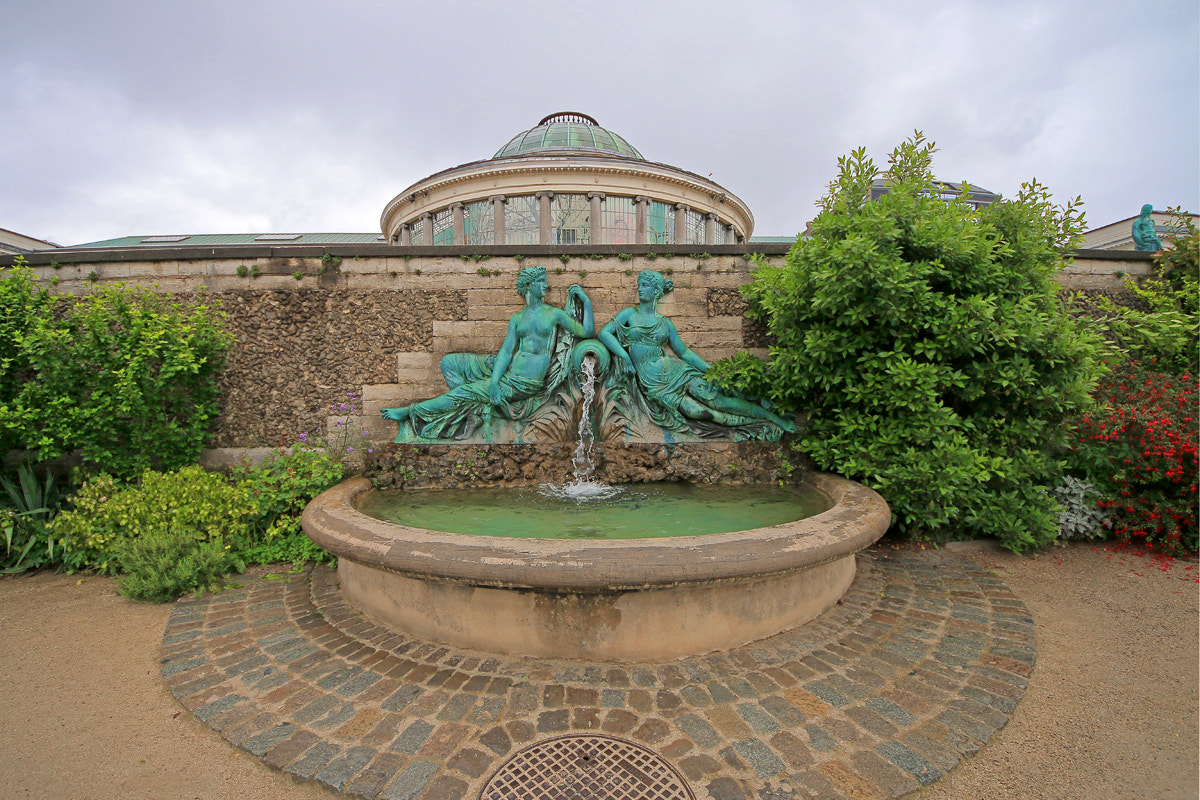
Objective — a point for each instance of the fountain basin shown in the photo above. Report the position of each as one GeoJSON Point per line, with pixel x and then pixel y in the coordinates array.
{"type": "Point", "coordinates": [621, 600]}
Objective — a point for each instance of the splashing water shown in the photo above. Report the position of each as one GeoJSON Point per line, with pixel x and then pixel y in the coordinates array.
{"type": "Point", "coordinates": [582, 459]}
{"type": "Point", "coordinates": [584, 487]}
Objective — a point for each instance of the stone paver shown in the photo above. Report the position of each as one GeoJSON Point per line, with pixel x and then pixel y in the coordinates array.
{"type": "Point", "coordinates": [920, 664]}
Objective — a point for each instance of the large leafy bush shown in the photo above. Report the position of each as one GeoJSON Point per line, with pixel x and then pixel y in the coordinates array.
{"type": "Point", "coordinates": [126, 376]}
{"type": "Point", "coordinates": [926, 341]}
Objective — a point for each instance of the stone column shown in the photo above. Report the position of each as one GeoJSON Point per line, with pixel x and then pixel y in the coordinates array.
{"type": "Point", "coordinates": [459, 222]}
{"type": "Point", "coordinates": [497, 218]}
{"type": "Point", "coordinates": [730, 234]}
{"type": "Point", "coordinates": [427, 229]}
{"type": "Point", "coordinates": [596, 218]}
{"type": "Point", "coordinates": [710, 229]}
{"type": "Point", "coordinates": [544, 230]}
{"type": "Point", "coordinates": [405, 235]}
{"type": "Point", "coordinates": [681, 210]}
{"type": "Point", "coordinates": [642, 204]}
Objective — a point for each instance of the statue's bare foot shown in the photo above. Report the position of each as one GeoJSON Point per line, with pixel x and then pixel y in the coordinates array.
{"type": "Point", "coordinates": [786, 424]}
{"type": "Point", "coordinates": [398, 414]}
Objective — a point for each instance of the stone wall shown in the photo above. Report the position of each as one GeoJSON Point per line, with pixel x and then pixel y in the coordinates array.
{"type": "Point", "coordinates": [440, 465]}
{"type": "Point", "coordinates": [297, 352]}
{"type": "Point", "coordinates": [314, 324]}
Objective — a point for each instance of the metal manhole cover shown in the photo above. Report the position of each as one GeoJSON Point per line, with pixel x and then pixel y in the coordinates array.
{"type": "Point", "coordinates": [578, 767]}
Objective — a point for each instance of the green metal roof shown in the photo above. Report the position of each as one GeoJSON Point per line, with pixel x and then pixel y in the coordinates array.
{"type": "Point", "coordinates": [216, 239]}
{"type": "Point", "coordinates": [568, 130]}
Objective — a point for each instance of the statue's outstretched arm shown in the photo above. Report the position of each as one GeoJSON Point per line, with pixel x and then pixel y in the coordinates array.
{"type": "Point", "coordinates": [682, 349]}
{"type": "Point", "coordinates": [609, 340]}
{"type": "Point", "coordinates": [589, 322]}
{"type": "Point", "coordinates": [586, 330]}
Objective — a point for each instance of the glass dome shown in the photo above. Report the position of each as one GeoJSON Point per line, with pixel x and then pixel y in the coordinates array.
{"type": "Point", "coordinates": [568, 130]}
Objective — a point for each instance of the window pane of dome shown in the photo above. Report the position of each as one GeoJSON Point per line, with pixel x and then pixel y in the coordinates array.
{"type": "Point", "coordinates": [521, 220]}
{"type": "Point", "coordinates": [581, 136]}
{"type": "Point", "coordinates": [479, 222]}
{"type": "Point", "coordinates": [416, 231]}
{"type": "Point", "coordinates": [556, 136]}
{"type": "Point", "coordinates": [620, 220]}
{"type": "Point", "coordinates": [605, 141]}
{"type": "Point", "coordinates": [719, 232]}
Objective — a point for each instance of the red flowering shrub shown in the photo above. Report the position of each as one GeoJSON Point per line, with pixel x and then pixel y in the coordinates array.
{"type": "Point", "coordinates": [1138, 447]}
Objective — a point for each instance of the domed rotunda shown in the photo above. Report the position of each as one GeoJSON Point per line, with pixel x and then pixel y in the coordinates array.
{"type": "Point", "coordinates": [566, 181]}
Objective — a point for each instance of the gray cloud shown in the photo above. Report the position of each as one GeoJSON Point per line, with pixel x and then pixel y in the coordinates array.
{"type": "Point", "coordinates": [150, 117]}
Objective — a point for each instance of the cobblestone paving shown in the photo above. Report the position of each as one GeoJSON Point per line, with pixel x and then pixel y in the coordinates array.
{"type": "Point", "coordinates": [921, 663]}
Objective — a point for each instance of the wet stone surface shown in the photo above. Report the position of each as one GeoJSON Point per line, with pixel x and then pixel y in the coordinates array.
{"type": "Point", "coordinates": [922, 662]}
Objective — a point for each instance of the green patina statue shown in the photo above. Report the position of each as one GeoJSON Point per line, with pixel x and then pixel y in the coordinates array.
{"type": "Point", "coordinates": [653, 386]}
{"type": "Point", "coordinates": [531, 365]}
{"type": "Point", "coordinates": [670, 377]}
{"type": "Point", "coordinates": [1145, 238]}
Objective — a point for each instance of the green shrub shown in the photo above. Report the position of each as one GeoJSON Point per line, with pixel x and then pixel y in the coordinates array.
{"type": "Point", "coordinates": [160, 565]}
{"type": "Point", "coordinates": [190, 500]}
{"type": "Point", "coordinates": [1180, 257]}
{"type": "Point", "coordinates": [253, 516]}
{"type": "Point", "coordinates": [927, 343]}
{"type": "Point", "coordinates": [126, 376]}
{"type": "Point", "coordinates": [24, 307]}
{"type": "Point", "coordinates": [280, 488]}
{"type": "Point", "coordinates": [285, 543]}
{"type": "Point", "coordinates": [1167, 331]}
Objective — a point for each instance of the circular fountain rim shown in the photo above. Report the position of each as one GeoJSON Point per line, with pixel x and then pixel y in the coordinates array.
{"type": "Point", "coordinates": [857, 517]}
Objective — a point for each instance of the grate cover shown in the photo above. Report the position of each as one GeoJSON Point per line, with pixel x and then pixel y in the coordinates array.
{"type": "Point", "coordinates": [578, 767]}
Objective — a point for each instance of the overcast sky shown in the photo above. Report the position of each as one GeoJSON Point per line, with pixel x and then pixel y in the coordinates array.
{"type": "Point", "coordinates": [230, 116]}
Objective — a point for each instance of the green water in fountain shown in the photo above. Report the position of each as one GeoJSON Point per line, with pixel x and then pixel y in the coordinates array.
{"type": "Point", "coordinates": [638, 511]}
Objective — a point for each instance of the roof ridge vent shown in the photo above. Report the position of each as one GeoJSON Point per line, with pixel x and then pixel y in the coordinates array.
{"type": "Point", "coordinates": [569, 116]}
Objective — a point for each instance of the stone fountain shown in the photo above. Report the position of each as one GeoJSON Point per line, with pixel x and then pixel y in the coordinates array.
{"type": "Point", "coordinates": [629, 600]}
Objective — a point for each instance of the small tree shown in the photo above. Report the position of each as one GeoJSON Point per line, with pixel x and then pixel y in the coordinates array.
{"type": "Point", "coordinates": [926, 342]}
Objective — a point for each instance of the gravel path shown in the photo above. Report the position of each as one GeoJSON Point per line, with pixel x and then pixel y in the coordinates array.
{"type": "Point", "coordinates": [1111, 712]}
